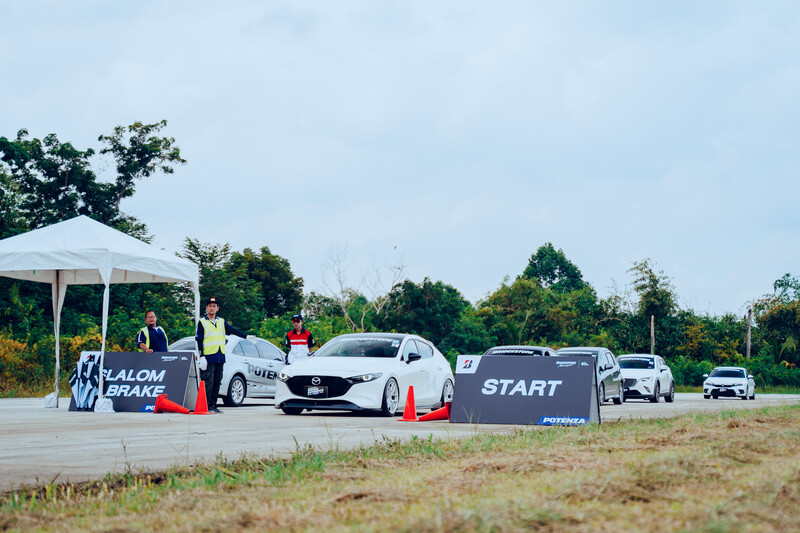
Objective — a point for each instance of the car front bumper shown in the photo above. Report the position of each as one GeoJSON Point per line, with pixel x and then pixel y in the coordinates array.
{"type": "Point", "coordinates": [360, 396]}
{"type": "Point", "coordinates": [714, 390]}
{"type": "Point", "coordinates": [636, 388]}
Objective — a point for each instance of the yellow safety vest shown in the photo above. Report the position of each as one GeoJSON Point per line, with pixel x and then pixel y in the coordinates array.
{"type": "Point", "coordinates": [147, 336]}
{"type": "Point", "coordinates": [213, 336]}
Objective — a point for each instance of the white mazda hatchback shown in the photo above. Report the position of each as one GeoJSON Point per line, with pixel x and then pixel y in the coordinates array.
{"type": "Point", "coordinates": [366, 372]}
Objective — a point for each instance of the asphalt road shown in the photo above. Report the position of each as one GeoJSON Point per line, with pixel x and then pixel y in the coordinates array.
{"type": "Point", "coordinates": [39, 445]}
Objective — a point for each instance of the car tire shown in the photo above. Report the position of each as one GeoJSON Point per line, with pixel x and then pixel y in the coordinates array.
{"type": "Point", "coordinates": [714, 396]}
{"type": "Point", "coordinates": [391, 398]}
{"type": "Point", "coordinates": [237, 392]}
{"type": "Point", "coordinates": [753, 397]}
{"type": "Point", "coordinates": [621, 396]}
{"type": "Point", "coordinates": [669, 398]}
{"type": "Point", "coordinates": [292, 410]}
{"type": "Point", "coordinates": [602, 393]}
{"type": "Point", "coordinates": [706, 396]}
{"type": "Point", "coordinates": [447, 394]}
{"type": "Point", "coordinates": [656, 394]}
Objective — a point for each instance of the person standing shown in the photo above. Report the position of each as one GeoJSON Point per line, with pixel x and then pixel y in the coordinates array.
{"type": "Point", "coordinates": [151, 338]}
{"type": "Point", "coordinates": [299, 340]}
{"type": "Point", "coordinates": [210, 337]}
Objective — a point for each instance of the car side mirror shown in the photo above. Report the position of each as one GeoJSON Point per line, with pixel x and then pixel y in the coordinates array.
{"type": "Point", "coordinates": [664, 369]}
{"type": "Point", "coordinates": [705, 375]}
{"type": "Point", "coordinates": [312, 353]}
{"type": "Point", "coordinates": [413, 357]}
{"type": "Point", "coordinates": [750, 376]}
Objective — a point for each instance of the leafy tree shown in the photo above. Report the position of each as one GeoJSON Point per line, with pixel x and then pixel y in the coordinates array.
{"type": "Point", "coordinates": [240, 297]}
{"type": "Point", "coordinates": [281, 291]}
{"type": "Point", "coordinates": [138, 156]}
{"type": "Point", "coordinates": [787, 288]}
{"type": "Point", "coordinates": [553, 270]}
{"type": "Point", "coordinates": [656, 298]}
{"type": "Point", "coordinates": [430, 309]}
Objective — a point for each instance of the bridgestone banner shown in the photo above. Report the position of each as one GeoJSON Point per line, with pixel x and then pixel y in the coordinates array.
{"type": "Point", "coordinates": [133, 380]}
{"type": "Point", "coordinates": [498, 389]}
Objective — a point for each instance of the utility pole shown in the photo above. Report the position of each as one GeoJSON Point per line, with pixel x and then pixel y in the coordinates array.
{"type": "Point", "coordinates": [652, 334]}
{"type": "Point", "coordinates": [749, 321]}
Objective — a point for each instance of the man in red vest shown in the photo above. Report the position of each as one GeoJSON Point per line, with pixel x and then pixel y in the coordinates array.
{"type": "Point", "coordinates": [298, 341]}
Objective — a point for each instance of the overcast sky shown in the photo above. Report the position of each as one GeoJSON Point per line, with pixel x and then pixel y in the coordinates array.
{"type": "Point", "coordinates": [460, 135]}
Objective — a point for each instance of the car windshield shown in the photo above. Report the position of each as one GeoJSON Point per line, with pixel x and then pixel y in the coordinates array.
{"type": "Point", "coordinates": [360, 347]}
{"type": "Point", "coordinates": [727, 373]}
{"type": "Point", "coordinates": [512, 351]}
{"type": "Point", "coordinates": [636, 363]}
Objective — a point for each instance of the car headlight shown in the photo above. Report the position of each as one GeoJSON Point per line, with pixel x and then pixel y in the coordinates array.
{"type": "Point", "coordinates": [363, 378]}
{"type": "Point", "coordinates": [646, 379]}
{"type": "Point", "coordinates": [283, 376]}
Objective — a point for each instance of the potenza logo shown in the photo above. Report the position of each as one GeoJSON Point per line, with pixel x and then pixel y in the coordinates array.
{"type": "Point", "coordinates": [563, 421]}
{"type": "Point", "coordinates": [565, 364]}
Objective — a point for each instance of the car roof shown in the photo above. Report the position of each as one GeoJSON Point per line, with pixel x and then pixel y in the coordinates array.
{"type": "Point", "coordinates": [637, 355]}
{"type": "Point", "coordinates": [587, 350]}
{"type": "Point", "coordinates": [729, 368]}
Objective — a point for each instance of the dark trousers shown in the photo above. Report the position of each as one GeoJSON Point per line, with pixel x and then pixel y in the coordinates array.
{"type": "Point", "coordinates": [212, 377]}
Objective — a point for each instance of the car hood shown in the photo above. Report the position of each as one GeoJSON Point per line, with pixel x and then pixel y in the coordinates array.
{"type": "Point", "coordinates": [338, 366]}
{"type": "Point", "coordinates": [637, 373]}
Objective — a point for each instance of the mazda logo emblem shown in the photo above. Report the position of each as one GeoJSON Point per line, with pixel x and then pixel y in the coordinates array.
{"type": "Point", "coordinates": [316, 381]}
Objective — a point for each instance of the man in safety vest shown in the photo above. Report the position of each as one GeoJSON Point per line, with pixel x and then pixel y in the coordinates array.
{"type": "Point", "coordinates": [210, 337]}
{"type": "Point", "coordinates": [151, 338]}
{"type": "Point", "coordinates": [298, 341]}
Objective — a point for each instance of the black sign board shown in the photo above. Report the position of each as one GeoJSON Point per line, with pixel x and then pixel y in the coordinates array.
{"type": "Point", "coordinates": [133, 380]}
{"type": "Point", "coordinates": [497, 389]}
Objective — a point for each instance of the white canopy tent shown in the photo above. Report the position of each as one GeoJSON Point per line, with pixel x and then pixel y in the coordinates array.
{"type": "Point", "coordinates": [82, 251]}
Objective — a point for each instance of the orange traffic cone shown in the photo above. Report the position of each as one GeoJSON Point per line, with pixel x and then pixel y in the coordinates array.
{"type": "Point", "coordinates": [201, 406]}
{"type": "Point", "coordinates": [163, 405]}
{"type": "Point", "coordinates": [439, 414]}
{"type": "Point", "coordinates": [410, 412]}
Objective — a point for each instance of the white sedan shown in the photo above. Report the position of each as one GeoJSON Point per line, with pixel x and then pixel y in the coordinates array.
{"type": "Point", "coordinates": [646, 376]}
{"type": "Point", "coordinates": [251, 366]}
{"type": "Point", "coordinates": [729, 381]}
{"type": "Point", "coordinates": [366, 371]}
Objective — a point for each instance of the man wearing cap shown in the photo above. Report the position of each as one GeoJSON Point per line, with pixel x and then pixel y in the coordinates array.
{"type": "Point", "coordinates": [210, 337]}
{"type": "Point", "coordinates": [298, 341]}
{"type": "Point", "coordinates": [151, 338]}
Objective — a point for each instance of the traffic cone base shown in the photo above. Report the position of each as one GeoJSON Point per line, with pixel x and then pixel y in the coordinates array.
{"type": "Point", "coordinates": [165, 405]}
{"type": "Point", "coordinates": [439, 414]}
{"type": "Point", "coordinates": [201, 406]}
{"type": "Point", "coordinates": [410, 411]}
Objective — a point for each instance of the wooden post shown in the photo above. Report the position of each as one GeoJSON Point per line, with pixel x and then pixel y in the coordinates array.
{"type": "Point", "coordinates": [749, 321]}
{"type": "Point", "coordinates": [652, 334]}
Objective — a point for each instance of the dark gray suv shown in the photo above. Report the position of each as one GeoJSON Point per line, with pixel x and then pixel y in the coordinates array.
{"type": "Point", "coordinates": [609, 376]}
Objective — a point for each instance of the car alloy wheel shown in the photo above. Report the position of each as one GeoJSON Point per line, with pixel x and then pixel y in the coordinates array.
{"type": "Point", "coordinates": [447, 393]}
{"type": "Point", "coordinates": [669, 398]}
{"type": "Point", "coordinates": [391, 398]}
{"type": "Point", "coordinates": [237, 392]}
{"type": "Point", "coordinates": [656, 394]}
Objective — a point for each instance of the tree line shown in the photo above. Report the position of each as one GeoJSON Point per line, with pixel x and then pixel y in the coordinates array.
{"type": "Point", "coordinates": [548, 303]}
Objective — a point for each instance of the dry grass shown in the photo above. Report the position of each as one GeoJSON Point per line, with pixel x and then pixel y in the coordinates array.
{"type": "Point", "coordinates": [730, 471]}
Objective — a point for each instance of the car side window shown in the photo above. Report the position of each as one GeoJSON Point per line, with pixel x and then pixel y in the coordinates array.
{"type": "Point", "coordinates": [269, 351]}
{"type": "Point", "coordinates": [424, 350]}
{"type": "Point", "coordinates": [410, 347]}
{"type": "Point", "coordinates": [248, 348]}
{"type": "Point", "coordinates": [611, 359]}
{"type": "Point", "coordinates": [238, 349]}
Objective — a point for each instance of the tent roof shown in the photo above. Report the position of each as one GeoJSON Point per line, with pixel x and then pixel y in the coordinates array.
{"type": "Point", "coordinates": [85, 251]}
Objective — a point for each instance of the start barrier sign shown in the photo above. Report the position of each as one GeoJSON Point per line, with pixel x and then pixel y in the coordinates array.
{"type": "Point", "coordinates": [133, 380]}
{"type": "Point", "coordinates": [499, 389]}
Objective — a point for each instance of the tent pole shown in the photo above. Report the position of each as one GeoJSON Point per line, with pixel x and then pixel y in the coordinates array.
{"type": "Point", "coordinates": [57, 327]}
{"type": "Point", "coordinates": [103, 346]}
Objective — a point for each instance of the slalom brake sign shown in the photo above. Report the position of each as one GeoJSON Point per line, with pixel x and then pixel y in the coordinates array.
{"type": "Point", "coordinates": [133, 380]}
{"type": "Point", "coordinates": [498, 389]}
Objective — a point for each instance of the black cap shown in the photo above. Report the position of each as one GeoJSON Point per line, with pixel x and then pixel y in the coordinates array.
{"type": "Point", "coordinates": [297, 317]}
{"type": "Point", "coordinates": [212, 300]}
